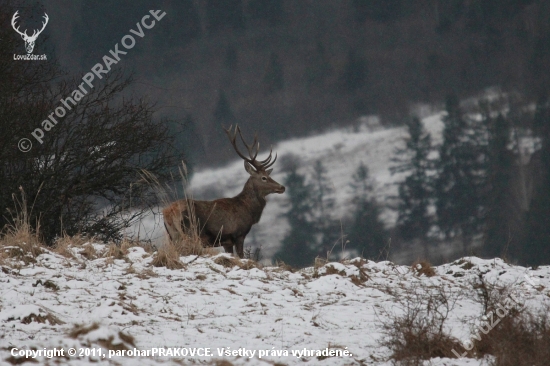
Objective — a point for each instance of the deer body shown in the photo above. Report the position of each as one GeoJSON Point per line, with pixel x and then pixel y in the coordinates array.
{"type": "Point", "coordinates": [227, 221]}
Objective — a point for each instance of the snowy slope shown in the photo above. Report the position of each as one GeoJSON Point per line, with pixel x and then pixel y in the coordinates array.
{"type": "Point", "coordinates": [209, 305]}
{"type": "Point", "coordinates": [341, 151]}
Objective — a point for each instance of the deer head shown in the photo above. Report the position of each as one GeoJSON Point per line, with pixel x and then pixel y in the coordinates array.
{"type": "Point", "coordinates": [259, 173]}
{"type": "Point", "coordinates": [29, 40]}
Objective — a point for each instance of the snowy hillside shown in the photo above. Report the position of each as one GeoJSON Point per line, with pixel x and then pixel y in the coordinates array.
{"type": "Point", "coordinates": [96, 301]}
{"type": "Point", "coordinates": [341, 151]}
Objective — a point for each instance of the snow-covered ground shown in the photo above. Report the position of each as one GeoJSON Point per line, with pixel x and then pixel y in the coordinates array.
{"type": "Point", "coordinates": [128, 304]}
{"type": "Point", "coordinates": [341, 151]}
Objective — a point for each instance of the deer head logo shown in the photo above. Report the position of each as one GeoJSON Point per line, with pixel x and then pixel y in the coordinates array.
{"type": "Point", "coordinates": [29, 40]}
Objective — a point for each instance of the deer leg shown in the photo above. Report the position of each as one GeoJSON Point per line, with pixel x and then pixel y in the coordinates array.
{"type": "Point", "coordinates": [240, 246]}
{"type": "Point", "coordinates": [228, 248]}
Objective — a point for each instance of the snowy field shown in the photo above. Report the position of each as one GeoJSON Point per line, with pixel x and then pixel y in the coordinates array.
{"type": "Point", "coordinates": [126, 304]}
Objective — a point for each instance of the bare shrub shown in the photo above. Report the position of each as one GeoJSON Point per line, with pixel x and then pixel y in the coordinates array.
{"type": "Point", "coordinates": [519, 339]}
{"type": "Point", "coordinates": [513, 335]}
{"type": "Point", "coordinates": [417, 333]}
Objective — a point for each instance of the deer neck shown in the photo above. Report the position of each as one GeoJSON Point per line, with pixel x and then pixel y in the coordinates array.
{"type": "Point", "coordinates": [252, 198]}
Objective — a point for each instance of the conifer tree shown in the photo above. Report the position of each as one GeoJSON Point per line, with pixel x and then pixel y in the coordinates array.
{"type": "Point", "coordinates": [415, 192]}
{"type": "Point", "coordinates": [367, 234]}
{"type": "Point", "coordinates": [461, 177]}
{"type": "Point", "coordinates": [499, 202]}
{"type": "Point", "coordinates": [537, 243]}
{"type": "Point", "coordinates": [322, 207]}
{"type": "Point", "coordinates": [297, 246]}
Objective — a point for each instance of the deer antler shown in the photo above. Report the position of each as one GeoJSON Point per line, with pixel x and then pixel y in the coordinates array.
{"type": "Point", "coordinates": [43, 25]}
{"type": "Point", "coordinates": [252, 149]}
{"type": "Point", "coordinates": [35, 33]}
{"type": "Point", "coordinates": [13, 19]}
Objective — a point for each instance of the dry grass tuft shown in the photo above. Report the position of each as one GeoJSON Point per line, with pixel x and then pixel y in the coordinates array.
{"type": "Point", "coordinates": [48, 317]}
{"type": "Point", "coordinates": [19, 360]}
{"type": "Point", "coordinates": [79, 330]}
{"type": "Point", "coordinates": [167, 256]}
{"type": "Point", "coordinates": [63, 246]}
{"type": "Point", "coordinates": [146, 274]}
{"type": "Point", "coordinates": [20, 240]}
{"type": "Point", "coordinates": [115, 251]}
{"type": "Point", "coordinates": [423, 267]}
{"type": "Point", "coordinates": [247, 264]}
{"type": "Point", "coordinates": [88, 251]}
{"type": "Point", "coordinates": [222, 363]}
{"type": "Point", "coordinates": [227, 261]}
{"type": "Point", "coordinates": [128, 340]}
{"type": "Point", "coordinates": [282, 266]}
{"type": "Point", "coordinates": [319, 262]}
{"type": "Point", "coordinates": [464, 264]}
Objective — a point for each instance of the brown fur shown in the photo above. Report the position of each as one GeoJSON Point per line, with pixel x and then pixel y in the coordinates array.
{"type": "Point", "coordinates": [225, 221]}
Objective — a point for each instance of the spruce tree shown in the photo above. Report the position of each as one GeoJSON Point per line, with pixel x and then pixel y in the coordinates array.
{"type": "Point", "coordinates": [537, 239]}
{"type": "Point", "coordinates": [297, 246]}
{"type": "Point", "coordinates": [415, 192]}
{"type": "Point", "coordinates": [499, 201]}
{"type": "Point", "coordinates": [367, 234]}
{"type": "Point", "coordinates": [322, 192]}
{"type": "Point", "coordinates": [460, 176]}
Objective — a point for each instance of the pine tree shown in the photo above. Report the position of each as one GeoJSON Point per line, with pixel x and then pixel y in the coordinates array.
{"type": "Point", "coordinates": [499, 201]}
{"type": "Point", "coordinates": [537, 243]}
{"type": "Point", "coordinates": [461, 177]}
{"type": "Point", "coordinates": [297, 246]}
{"type": "Point", "coordinates": [415, 192]}
{"type": "Point", "coordinates": [367, 234]}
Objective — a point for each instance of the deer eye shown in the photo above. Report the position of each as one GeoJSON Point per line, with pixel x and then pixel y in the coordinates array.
{"type": "Point", "coordinates": [264, 179]}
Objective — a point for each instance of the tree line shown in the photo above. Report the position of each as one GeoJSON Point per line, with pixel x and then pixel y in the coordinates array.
{"type": "Point", "coordinates": [485, 187]}
{"type": "Point", "coordinates": [489, 183]}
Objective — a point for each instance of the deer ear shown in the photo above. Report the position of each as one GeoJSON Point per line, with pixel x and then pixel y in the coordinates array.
{"type": "Point", "coordinates": [268, 171]}
{"type": "Point", "coordinates": [249, 169]}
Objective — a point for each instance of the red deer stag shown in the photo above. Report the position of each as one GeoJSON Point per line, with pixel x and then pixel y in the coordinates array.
{"type": "Point", "coordinates": [227, 221]}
